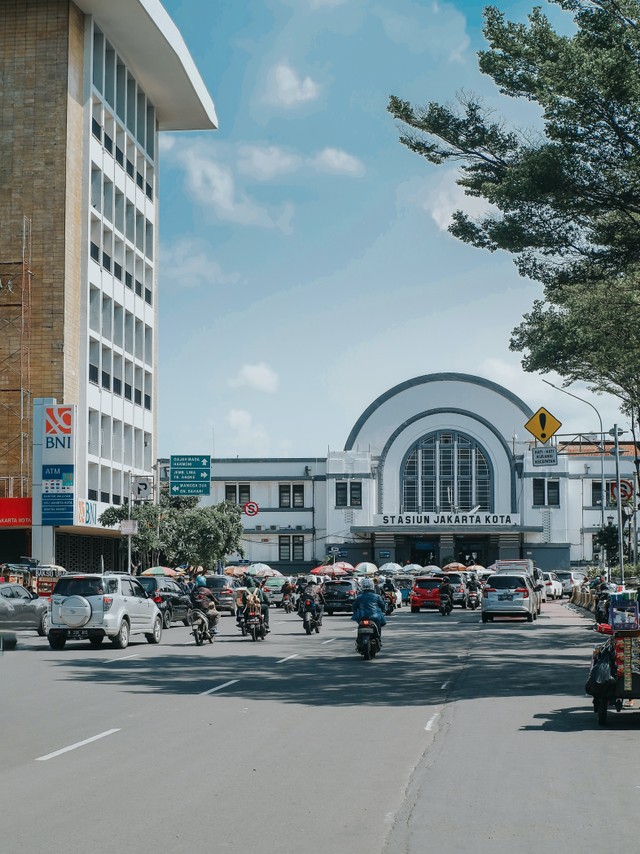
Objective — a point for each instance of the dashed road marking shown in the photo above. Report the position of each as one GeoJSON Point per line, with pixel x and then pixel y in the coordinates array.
{"type": "Point", "coordinates": [219, 687]}
{"type": "Point", "coordinates": [431, 722]}
{"type": "Point", "coordinates": [76, 745]}
{"type": "Point", "coordinates": [288, 658]}
{"type": "Point", "coordinates": [122, 658]}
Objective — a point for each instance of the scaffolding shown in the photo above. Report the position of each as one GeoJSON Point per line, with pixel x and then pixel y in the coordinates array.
{"type": "Point", "coordinates": [15, 371]}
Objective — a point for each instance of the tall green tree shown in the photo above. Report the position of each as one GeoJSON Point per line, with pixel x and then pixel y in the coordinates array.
{"type": "Point", "coordinates": [179, 532]}
{"type": "Point", "coordinates": [563, 200]}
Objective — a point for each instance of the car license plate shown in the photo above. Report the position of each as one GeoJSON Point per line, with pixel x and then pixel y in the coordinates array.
{"type": "Point", "coordinates": [78, 634]}
{"type": "Point", "coordinates": [505, 597]}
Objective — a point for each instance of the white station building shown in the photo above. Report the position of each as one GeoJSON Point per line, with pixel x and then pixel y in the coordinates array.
{"type": "Point", "coordinates": [436, 469]}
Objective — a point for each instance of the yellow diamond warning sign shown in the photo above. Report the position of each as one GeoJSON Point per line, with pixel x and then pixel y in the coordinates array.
{"type": "Point", "coordinates": [543, 425]}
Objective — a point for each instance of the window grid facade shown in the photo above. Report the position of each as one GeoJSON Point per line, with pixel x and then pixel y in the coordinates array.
{"type": "Point", "coordinates": [446, 471]}
{"type": "Point", "coordinates": [121, 311]}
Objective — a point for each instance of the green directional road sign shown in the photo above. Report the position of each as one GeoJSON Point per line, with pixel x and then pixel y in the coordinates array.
{"type": "Point", "coordinates": [192, 488]}
{"type": "Point", "coordinates": [190, 474]}
{"type": "Point", "coordinates": [199, 461]}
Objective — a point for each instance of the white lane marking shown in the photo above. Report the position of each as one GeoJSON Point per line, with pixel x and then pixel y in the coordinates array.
{"type": "Point", "coordinates": [288, 658]}
{"type": "Point", "coordinates": [444, 685]}
{"type": "Point", "coordinates": [219, 687]}
{"type": "Point", "coordinates": [124, 658]}
{"type": "Point", "coordinates": [77, 744]}
{"type": "Point", "coordinates": [431, 722]}
{"type": "Point", "coordinates": [328, 641]}
{"type": "Point", "coordinates": [280, 622]}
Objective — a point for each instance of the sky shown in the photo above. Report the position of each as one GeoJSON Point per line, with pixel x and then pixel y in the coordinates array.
{"type": "Point", "coordinates": [305, 263]}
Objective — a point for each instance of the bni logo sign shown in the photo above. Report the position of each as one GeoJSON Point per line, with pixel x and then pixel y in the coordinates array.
{"type": "Point", "coordinates": [58, 426]}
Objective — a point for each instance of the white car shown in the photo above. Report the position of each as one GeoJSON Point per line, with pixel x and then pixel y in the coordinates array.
{"type": "Point", "coordinates": [509, 595]}
{"type": "Point", "coordinates": [552, 585]}
{"type": "Point", "coordinates": [94, 606]}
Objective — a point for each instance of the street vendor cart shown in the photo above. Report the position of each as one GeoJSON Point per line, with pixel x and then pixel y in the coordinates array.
{"type": "Point", "coordinates": [615, 673]}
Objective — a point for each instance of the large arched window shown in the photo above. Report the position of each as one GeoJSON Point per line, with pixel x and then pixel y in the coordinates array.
{"type": "Point", "coordinates": [446, 472]}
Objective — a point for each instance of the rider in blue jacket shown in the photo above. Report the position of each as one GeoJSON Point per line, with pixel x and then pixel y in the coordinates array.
{"type": "Point", "coordinates": [369, 604]}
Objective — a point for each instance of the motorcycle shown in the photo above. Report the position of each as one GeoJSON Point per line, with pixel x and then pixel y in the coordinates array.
{"type": "Point", "coordinates": [311, 619]}
{"type": "Point", "coordinates": [287, 603]}
{"type": "Point", "coordinates": [473, 599]}
{"type": "Point", "coordinates": [390, 600]}
{"type": "Point", "coordinates": [368, 641]}
{"type": "Point", "coordinates": [255, 625]}
{"type": "Point", "coordinates": [200, 627]}
{"type": "Point", "coordinates": [446, 606]}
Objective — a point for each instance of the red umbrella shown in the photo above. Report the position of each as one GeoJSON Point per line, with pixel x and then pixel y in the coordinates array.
{"type": "Point", "coordinates": [331, 570]}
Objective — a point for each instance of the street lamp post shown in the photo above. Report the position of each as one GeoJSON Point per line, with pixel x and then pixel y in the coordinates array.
{"type": "Point", "coordinates": [603, 491]}
{"type": "Point", "coordinates": [615, 432]}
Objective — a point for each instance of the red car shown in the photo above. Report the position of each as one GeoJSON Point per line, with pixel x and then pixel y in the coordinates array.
{"type": "Point", "coordinates": [425, 593]}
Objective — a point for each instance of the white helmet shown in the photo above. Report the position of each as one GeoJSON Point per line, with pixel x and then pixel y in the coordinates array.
{"type": "Point", "coordinates": [367, 584]}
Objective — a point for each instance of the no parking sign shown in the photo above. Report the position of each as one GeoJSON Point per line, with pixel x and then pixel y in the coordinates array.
{"type": "Point", "coordinates": [626, 490]}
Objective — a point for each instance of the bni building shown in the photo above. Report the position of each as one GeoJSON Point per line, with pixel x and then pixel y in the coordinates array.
{"type": "Point", "coordinates": [87, 87]}
{"type": "Point", "coordinates": [438, 468]}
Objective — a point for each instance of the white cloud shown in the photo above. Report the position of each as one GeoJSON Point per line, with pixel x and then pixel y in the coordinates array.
{"type": "Point", "coordinates": [259, 377]}
{"type": "Point", "coordinates": [443, 197]}
{"type": "Point", "coordinates": [188, 264]}
{"type": "Point", "coordinates": [265, 163]}
{"type": "Point", "coordinates": [334, 160]}
{"type": "Point", "coordinates": [213, 185]}
{"type": "Point", "coordinates": [444, 36]}
{"type": "Point", "coordinates": [286, 88]}
{"type": "Point", "coordinates": [249, 439]}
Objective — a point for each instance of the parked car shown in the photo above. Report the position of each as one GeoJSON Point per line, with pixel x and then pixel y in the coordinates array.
{"type": "Point", "coordinates": [425, 593]}
{"type": "Point", "coordinates": [225, 590]}
{"type": "Point", "coordinates": [508, 595]}
{"type": "Point", "coordinates": [553, 585]}
{"type": "Point", "coordinates": [20, 609]}
{"type": "Point", "coordinates": [174, 602]}
{"type": "Point", "coordinates": [339, 594]}
{"type": "Point", "coordinates": [459, 587]}
{"type": "Point", "coordinates": [94, 606]}
{"type": "Point", "coordinates": [570, 579]}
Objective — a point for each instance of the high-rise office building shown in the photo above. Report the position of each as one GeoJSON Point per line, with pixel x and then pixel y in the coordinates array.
{"type": "Point", "coordinates": [86, 88]}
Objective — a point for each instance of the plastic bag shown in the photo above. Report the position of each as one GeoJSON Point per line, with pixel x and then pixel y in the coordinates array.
{"type": "Point", "coordinates": [601, 681]}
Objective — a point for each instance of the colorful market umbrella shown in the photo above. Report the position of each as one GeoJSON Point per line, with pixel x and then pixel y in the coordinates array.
{"type": "Point", "coordinates": [453, 567]}
{"type": "Point", "coordinates": [160, 570]}
{"type": "Point", "coordinates": [332, 570]}
{"type": "Point", "coordinates": [268, 572]}
{"type": "Point", "coordinates": [475, 567]}
{"type": "Point", "coordinates": [432, 569]}
{"type": "Point", "coordinates": [258, 568]}
{"type": "Point", "coordinates": [235, 570]}
{"type": "Point", "coordinates": [342, 564]}
{"type": "Point", "coordinates": [413, 568]}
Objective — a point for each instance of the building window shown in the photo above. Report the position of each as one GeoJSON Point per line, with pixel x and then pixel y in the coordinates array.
{"type": "Point", "coordinates": [298, 494]}
{"type": "Point", "coordinates": [298, 548]}
{"type": "Point", "coordinates": [284, 548]}
{"type": "Point", "coordinates": [608, 495]}
{"type": "Point", "coordinates": [341, 494]}
{"type": "Point", "coordinates": [237, 493]}
{"type": "Point", "coordinates": [355, 488]}
{"type": "Point", "coordinates": [546, 493]}
{"type": "Point", "coordinates": [446, 471]}
{"type": "Point", "coordinates": [285, 495]}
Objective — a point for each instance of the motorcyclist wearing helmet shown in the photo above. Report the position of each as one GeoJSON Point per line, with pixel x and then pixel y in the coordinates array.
{"type": "Point", "coordinates": [314, 592]}
{"type": "Point", "coordinates": [369, 604]}
{"type": "Point", "coordinates": [203, 599]}
{"type": "Point", "coordinates": [389, 585]}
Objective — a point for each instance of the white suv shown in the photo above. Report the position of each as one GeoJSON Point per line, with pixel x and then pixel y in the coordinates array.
{"type": "Point", "coordinates": [92, 607]}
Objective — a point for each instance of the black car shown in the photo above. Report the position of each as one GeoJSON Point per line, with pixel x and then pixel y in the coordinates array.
{"type": "Point", "coordinates": [339, 595]}
{"type": "Point", "coordinates": [224, 589]}
{"type": "Point", "coordinates": [174, 602]}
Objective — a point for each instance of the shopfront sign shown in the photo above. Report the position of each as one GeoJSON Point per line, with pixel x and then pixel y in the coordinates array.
{"type": "Point", "coordinates": [447, 520]}
{"type": "Point", "coordinates": [15, 512]}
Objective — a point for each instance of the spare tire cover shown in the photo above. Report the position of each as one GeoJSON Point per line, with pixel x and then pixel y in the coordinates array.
{"type": "Point", "coordinates": [75, 611]}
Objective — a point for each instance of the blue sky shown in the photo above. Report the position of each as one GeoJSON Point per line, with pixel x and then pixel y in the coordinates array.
{"type": "Point", "coordinates": [305, 265]}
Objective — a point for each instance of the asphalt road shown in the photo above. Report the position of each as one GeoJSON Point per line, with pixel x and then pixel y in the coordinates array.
{"type": "Point", "coordinates": [459, 737]}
